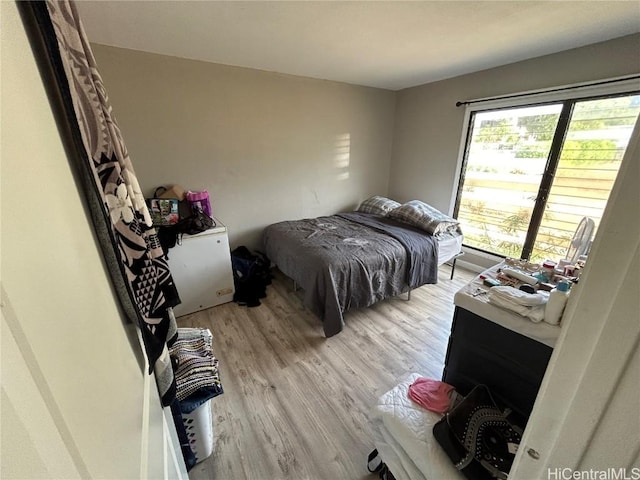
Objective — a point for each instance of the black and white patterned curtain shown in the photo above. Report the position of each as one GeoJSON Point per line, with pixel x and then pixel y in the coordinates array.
{"type": "Point", "coordinates": [94, 143]}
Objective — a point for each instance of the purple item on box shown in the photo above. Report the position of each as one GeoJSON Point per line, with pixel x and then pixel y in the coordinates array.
{"type": "Point", "coordinates": [199, 201]}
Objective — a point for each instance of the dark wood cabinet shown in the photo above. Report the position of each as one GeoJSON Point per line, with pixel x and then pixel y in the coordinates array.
{"type": "Point", "coordinates": [510, 364]}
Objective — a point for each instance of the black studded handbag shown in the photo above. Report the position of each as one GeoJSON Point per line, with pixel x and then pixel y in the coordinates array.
{"type": "Point", "coordinates": [478, 438]}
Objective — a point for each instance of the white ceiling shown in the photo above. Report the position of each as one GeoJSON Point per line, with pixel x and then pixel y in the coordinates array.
{"type": "Point", "coordinates": [385, 44]}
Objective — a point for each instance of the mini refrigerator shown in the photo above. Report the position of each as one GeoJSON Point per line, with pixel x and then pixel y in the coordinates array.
{"type": "Point", "coordinates": [201, 270]}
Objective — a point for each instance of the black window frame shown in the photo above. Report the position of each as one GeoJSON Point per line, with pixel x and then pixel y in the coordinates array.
{"type": "Point", "coordinates": [551, 166]}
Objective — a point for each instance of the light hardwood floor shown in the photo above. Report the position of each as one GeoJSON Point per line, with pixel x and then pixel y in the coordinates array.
{"type": "Point", "coordinates": [296, 404]}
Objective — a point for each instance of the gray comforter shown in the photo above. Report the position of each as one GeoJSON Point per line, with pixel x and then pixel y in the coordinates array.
{"type": "Point", "coordinates": [350, 260]}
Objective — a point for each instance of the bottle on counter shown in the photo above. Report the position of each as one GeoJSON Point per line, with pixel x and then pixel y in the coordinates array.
{"type": "Point", "coordinates": [557, 301]}
{"type": "Point", "coordinates": [549, 269]}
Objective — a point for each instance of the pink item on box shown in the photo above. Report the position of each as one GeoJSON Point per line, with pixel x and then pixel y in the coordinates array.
{"type": "Point", "coordinates": [199, 201]}
{"type": "Point", "coordinates": [431, 394]}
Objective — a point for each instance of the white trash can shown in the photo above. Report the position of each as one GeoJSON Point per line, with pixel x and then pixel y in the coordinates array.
{"type": "Point", "coordinates": [199, 426]}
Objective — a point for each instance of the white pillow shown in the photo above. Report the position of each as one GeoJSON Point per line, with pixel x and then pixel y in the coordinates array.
{"type": "Point", "coordinates": [424, 216]}
{"type": "Point", "coordinates": [378, 205]}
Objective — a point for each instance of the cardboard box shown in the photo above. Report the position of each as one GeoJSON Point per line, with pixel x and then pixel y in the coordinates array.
{"type": "Point", "coordinates": [173, 191]}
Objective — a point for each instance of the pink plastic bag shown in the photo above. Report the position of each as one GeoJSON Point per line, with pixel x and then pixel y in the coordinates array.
{"type": "Point", "coordinates": [199, 201]}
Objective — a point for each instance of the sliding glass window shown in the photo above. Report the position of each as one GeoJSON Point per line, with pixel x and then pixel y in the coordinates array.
{"type": "Point", "coordinates": [534, 176]}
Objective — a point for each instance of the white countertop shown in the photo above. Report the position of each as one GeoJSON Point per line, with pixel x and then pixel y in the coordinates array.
{"type": "Point", "coordinates": [473, 297]}
{"type": "Point", "coordinates": [217, 228]}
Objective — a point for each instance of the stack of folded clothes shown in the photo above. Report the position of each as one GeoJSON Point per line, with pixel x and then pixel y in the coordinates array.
{"type": "Point", "coordinates": [197, 375]}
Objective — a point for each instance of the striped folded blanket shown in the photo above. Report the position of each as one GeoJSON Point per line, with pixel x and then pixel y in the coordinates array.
{"type": "Point", "coordinates": [197, 367]}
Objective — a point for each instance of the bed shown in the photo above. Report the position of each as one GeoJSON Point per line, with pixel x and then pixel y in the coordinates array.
{"type": "Point", "coordinates": [356, 259]}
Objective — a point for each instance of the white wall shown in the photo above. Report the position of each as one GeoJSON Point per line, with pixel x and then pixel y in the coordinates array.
{"type": "Point", "coordinates": [76, 402]}
{"type": "Point", "coordinates": [429, 126]}
{"type": "Point", "coordinates": [267, 147]}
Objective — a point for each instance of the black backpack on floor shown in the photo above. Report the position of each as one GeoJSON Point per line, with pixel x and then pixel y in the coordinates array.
{"type": "Point", "coordinates": [251, 275]}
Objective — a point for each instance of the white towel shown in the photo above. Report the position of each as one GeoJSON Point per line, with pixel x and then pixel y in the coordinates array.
{"type": "Point", "coordinates": [529, 305]}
